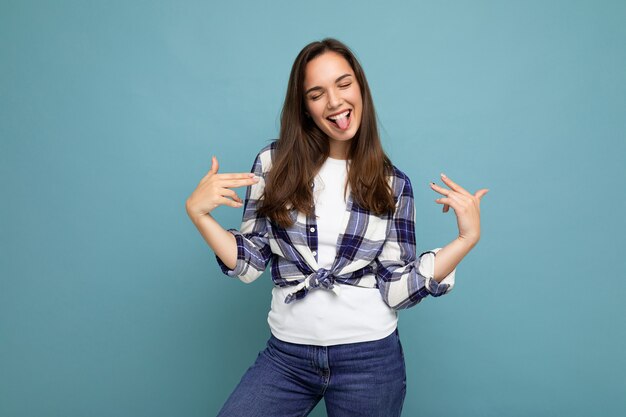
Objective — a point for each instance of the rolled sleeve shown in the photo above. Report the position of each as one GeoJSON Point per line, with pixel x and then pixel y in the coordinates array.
{"type": "Point", "coordinates": [427, 270]}
{"type": "Point", "coordinates": [239, 265]}
{"type": "Point", "coordinates": [252, 258]}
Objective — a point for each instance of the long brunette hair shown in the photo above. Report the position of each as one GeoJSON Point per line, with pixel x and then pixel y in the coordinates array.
{"type": "Point", "coordinates": [302, 148]}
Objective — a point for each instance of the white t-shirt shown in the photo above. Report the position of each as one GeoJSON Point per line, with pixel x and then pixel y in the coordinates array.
{"type": "Point", "coordinates": [323, 318]}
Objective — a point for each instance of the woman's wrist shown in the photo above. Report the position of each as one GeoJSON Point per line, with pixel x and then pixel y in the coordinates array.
{"type": "Point", "coordinates": [194, 215]}
{"type": "Point", "coordinates": [469, 242]}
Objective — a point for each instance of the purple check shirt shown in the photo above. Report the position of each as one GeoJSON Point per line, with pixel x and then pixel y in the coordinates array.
{"type": "Point", "coordinates": [372, 251]}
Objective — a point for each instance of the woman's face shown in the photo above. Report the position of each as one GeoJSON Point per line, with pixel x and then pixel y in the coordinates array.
{"type": "Point", "coordinates": [331, 89]}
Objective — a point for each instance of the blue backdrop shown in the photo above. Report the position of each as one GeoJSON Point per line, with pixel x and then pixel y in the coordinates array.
{"type": "Point", "coordinates": [112, 304]}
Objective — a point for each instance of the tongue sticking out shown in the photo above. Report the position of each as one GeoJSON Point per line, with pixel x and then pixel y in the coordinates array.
{"type": "Point", "coordinates": [342, 123]}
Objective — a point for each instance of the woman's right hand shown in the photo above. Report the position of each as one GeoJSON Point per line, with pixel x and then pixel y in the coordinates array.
{"type": "Point", "coordinates": [214, 190]}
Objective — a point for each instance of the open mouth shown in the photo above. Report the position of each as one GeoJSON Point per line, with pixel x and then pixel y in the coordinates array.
{"type": "Point", "coordinates": [342, 123]}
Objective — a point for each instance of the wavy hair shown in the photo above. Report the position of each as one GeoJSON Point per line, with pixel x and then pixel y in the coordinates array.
{"type": "Point", "coordinates": [302, 148]}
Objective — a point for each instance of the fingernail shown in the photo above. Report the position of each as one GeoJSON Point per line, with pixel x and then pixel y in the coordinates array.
{"type": "Point", "coordinates": [443, 175]}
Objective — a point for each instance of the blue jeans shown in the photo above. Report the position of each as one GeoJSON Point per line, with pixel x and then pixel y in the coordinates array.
{"type": "Point", "coordinates": [355, 379]}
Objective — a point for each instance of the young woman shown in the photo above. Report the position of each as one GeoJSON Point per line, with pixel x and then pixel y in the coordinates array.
{"type": "Point", "coordinates": [336, 219]}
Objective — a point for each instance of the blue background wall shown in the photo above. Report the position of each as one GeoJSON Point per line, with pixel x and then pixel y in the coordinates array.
{"type": "Point", "coordinates": [111, 304]}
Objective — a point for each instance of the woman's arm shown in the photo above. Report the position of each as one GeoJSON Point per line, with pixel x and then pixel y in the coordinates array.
{"type": "Point", "coordinates": [212, 191]}
{"type": "Point", "coordinates": [467, 209]}
{"type": "Point", "coordinates": [222, 242]}
{"type": "Point", "coordinates": [449, 257]}
{"type": "Point", "coordinates": [404, 278]}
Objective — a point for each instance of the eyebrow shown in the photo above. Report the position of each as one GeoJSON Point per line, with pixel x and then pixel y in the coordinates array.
{"type": "Point", "coordinates": [320, 88]}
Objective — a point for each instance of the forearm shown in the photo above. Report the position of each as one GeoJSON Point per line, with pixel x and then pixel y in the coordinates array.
{"type": "Point", "coordinates": [219, 239]}
{"type": "Point", "coordinates": [449, 257]}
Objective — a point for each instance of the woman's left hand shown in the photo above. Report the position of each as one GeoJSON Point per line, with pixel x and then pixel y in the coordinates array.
{"type": "Point", "coordinates": [466, 207]}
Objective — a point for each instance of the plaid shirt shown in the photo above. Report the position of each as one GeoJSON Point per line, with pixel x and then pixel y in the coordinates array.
{"type": "Point", "coordinates": [372, 251]}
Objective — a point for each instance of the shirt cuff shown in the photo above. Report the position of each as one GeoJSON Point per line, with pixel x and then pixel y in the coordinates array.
{"type": "Point", "coordinates": [239, 266]}
{"type": "Point", "coordinates": [427, 270]}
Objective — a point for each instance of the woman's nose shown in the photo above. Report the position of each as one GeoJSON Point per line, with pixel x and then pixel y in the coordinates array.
{"type": "Point", "coordinates": [333, 99]}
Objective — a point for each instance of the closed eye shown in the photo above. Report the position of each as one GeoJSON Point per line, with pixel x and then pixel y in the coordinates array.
{"type": "Point", "coordinates": [341, 86]}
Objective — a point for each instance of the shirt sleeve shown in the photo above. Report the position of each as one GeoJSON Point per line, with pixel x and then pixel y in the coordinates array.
{"type": "Point", "coordinates": [253, 248]}
{"type": "Point", "coordinates": [403, 278]}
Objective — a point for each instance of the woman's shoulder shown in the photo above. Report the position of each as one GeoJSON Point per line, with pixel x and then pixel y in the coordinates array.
{"type": "Point", "coordinates": [265, 155]}
{"type": "Point", "coordinates": [269, 147]}
{"type": "Point", "coordinates": [401, 183]}
{"type": "Point", "coordinates": [399, 174]}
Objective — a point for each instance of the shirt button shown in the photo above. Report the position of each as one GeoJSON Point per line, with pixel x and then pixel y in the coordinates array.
{"type": "Point", "coordinates": [314, 253]}
{"type": "Point", "coordinates": [312, 229]}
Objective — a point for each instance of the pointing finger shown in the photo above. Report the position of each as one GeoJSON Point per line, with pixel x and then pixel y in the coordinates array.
{"type": "Point", "coordinates": [238, 183]}
{"type": "Point", "coordinates": [439, 189]}
{"type": "Point", "coordinates": [453, 185]}
{"type": "Point", "coordinates": [443, 191]}
{"type": "Point", "coordinates": [236, 176]}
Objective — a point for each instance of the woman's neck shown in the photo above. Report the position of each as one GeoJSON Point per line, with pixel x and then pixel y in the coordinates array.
{"type": "Point", "coordinates": [339, 149]}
